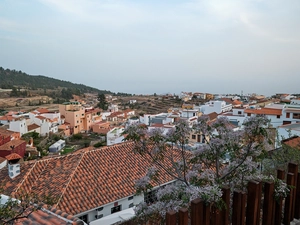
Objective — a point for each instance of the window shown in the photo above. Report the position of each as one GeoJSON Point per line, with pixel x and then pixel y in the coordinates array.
{"type": "Point", "coordinates": [116, 209]}
{"type": "Point", "coordinates": [239, 112]}
{"type": "Point", "coordinates": [193, 136]}
{"type": "Point", "coordinates": [150, 197]}
{"type": "Point", "coordinates": [99, 209]}
{"type": "Point", "coordinates": [287, 115]}
{"type": "Point", "coordinates": [130, 205]}
{"type": "Point", "coordinates": [130, 198]}
{"type": "Point", "coordinates": [296, 116]}
{"type": "Point", "coordinates": [84, 218]}
{"type": "Point", "coordinates": [286, 122]}
{"type": "Point", "coordinates": [248, 114]}
{"type": "Point", "coordinates": [203, 138]}
{"type": "Point", "coordinates": [278, 117]}
{"type": "Point", "coordinates": [99, 216]}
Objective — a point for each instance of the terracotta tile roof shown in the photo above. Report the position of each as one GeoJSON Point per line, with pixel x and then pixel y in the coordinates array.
{"type": "Point", "coordinates": [11, 113]}
{"type": "Point", "coordinates": [42, 110]}
{"type": "Point", "coordinates": [293, 142]}
{"type": "Point", "coordinates": [212, 116]}
{"type": "Point", "coordinates": [8, 118]}
{"type": "Point", "coordinates": [128, 110]}
{"type": "Point", "coordinates": [7, 145]}
{"type": "Point", "coordinates": [237, 102]}
{"type": "Point", "coordinates": [93, 111]}
{"type": "Point", "coordinates": [2, 160]}
{"type": "Point", "coordinates": [6, 132]}
{"type": "Point", "coordinates": [48, 216]}
{"type": "Point", "coordinates": [264, 111]}
{"type": "Point", "coordinates": [83, 180]}
{"type": "Point", "coordinates": [13, 156]}
{"type": "Point", "coordinates": [40, 117]}
{"type": "Point", "coordinates": [115, 114]}
{"type": "Point", "coordinates": [32, 127]}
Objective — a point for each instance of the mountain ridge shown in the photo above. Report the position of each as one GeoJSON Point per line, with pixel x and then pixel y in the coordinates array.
{"type": "Point", "coordinates": [18, 79]}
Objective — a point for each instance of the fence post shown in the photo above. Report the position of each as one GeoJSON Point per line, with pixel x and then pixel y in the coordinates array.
{"type": "Point", "coordinates": [288, 201]}
{"type": "Point", "coordinates": [297, 204]}
{"type": "Point", "coordinates": [171, 218]}
{"type": "Point", "coordinates": [268, 203]}
{"type": "Point", "coordinates": [215, 216]}
{"type": "Point", "coordinates": [278, 203]}
{"type": "Point", "coordinates": [236, 208]}
{"type": "Point", "coordinates": [183, 216]}
{"type": "Point", "coordinates": [225, 211]}
{"type": "Point", "coordinates": [206, 214]}
{"type": "Point", "coordinates": [243, 210]}
{"type": "Point", "coordinates": [196, 211]}
{"type": "Point", "coordinates": [253, 203]}
{"type": "Point", "coordinates": [293, 168]}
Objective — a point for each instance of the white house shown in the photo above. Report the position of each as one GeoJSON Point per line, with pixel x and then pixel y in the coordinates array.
{"type": "Point", "coordinates": [215, 106]}
{"type": "Point", "coordinates": [57, 146]}
{"type": "Point", "coordinates": [236, 116]}
{"type": "Point", "coordinates": [115, 136]}
{"type": "Point", "coordinates": [18, 125]}
{"type": "Point", "coordinates": [162, 118]}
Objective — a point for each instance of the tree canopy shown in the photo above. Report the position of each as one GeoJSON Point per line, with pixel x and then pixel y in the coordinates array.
{"type": "Point", "coordinates": [229, 156]}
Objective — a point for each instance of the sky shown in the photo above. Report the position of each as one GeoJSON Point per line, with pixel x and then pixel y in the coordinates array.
{"type": "Point", "coordinates": [156, 46]}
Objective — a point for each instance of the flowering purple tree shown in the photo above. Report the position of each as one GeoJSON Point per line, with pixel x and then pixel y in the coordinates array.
{"type": "Point", "coordinates": [229, 157]}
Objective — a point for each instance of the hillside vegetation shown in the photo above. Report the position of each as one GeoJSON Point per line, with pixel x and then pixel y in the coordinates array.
{"type": "Point", "coordinates": [17, 79]}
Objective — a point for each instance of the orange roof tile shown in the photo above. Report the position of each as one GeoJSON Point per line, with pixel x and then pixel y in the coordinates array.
{"type": "Point", "coordinates": [84, 180]}
{"type": "Point", "coordinates": [48, 216]}
{"type": "Point", "coordinates": [2, 160]}
{"type": "Point", "coordinates": [40, 117]}
{"type": "Point", "coordinates": [264, 111]}
{"type": "Point", "coordinates": [42, 110]}
{"type": "Point", "coordinates": [293, 142]}
{"type": "Point", "coordinates": [13, 156]}
{"type": "Point", "coordinates": [32, 127]}
{"type": "Point", "coordinates": [15, 143]}
{"type": "Point", "coordinates": [212, 116]}
{"type": "Point", "coordinates": [8, 118]}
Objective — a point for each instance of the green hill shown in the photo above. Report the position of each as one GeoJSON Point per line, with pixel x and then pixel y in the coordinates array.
{"type": "Point", "coordinates": [17, 79]}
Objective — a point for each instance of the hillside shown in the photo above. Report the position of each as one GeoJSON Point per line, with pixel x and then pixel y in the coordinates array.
{"type": "Point", "coordinates": [18, 79]}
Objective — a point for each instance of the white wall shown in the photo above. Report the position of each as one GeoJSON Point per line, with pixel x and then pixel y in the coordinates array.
{"type": "Point", "coordinates": [215, 106]}
{"type": "Point", "coordinates": [124, 202]}
{"type": "Point", "coordinates": [18, 126]}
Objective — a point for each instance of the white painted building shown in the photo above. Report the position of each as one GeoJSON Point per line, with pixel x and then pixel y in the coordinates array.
{"type": "Point", "coordinates": [288, 130]}
{"type": "Point", "coordinates": [215, 106]}
{"type": "Point", "coordinates": [18, 125]}
{"type": "Point", "coordinates": [113, 108]}
{"type": "Point", "coordinates": [188, 113]}
{"type": "Point", "coordinates": [105, 114]}
{"type": "Point", "coordinates": [236, 116]}
{"type": "Point", "coordinates": [162, 118]}
{"type": "Point", "coordinates": [115, 136]}
{"type": "Point", "coordinates": [96, 214]}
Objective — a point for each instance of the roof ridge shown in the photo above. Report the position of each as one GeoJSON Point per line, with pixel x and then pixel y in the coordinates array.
{"type": "Point", "coordinates": [39, 174]}
{"type": "Point", "coordinates": [71, 176]}
{"type": "Point", "coordinates": [25, 177]}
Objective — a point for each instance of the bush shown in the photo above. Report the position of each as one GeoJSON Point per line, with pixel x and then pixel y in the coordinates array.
{"type": "Point", "coordinates": [77, 136]}
{"type": "Point", "coordinates": [99, 144]}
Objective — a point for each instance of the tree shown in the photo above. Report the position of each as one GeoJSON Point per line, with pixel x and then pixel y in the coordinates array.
{"type": "Point", "coordinates": [102, 101]}
{"type": "Point", "coordinates": [228, 157]}
{"type": "Point", "coordinates": [25, 204]}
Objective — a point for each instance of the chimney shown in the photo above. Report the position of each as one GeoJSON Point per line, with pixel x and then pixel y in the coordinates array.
{"type": "Point", "coordinates": [13, 164]}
